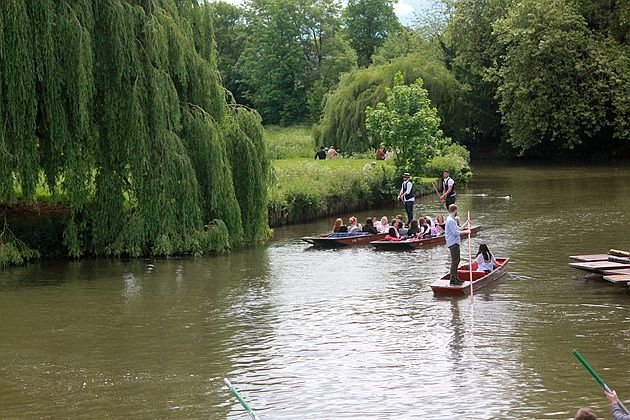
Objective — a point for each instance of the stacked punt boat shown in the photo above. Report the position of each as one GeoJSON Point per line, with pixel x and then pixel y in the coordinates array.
{"type": "Point", "coordinates": [613, 267]}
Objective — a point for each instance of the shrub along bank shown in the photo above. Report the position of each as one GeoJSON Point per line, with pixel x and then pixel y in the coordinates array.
{"type": "Point", "coordinates": [305, 190]}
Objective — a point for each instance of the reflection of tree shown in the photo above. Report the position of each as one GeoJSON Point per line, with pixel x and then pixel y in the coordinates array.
{"type": "Point", "coordinates": [150, 337]}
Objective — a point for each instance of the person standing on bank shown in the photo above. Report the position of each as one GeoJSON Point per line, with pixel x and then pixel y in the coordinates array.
{"type": "Point", "coordinates": [448, 190]}
{"type": "Point", "coordinates": [407, 196]}
{"type": "Point", "coordinates": [453, 241]}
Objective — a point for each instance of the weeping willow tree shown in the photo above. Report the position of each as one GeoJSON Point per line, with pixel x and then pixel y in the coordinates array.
{"type": "Point", "coordinates": [343, 121]}
{"type": "Point", "coordinates": [116, 106]}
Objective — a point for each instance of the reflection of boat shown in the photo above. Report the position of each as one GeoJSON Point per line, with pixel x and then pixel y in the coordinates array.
{"type": "Point", "coordinates": [415, 242]}
{"type": "Point", "coordinates": [336, 240]}
{"type": "Point", "coordinates": [480, 279]}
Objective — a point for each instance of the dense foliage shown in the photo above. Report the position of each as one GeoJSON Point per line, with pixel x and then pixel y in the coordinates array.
{"type": "Point", "coordinates": [119, 104]}
{"type": "Point", "coordinates": [343, 123]}
{"type": "Point", "coordinates": [282, 56]}
{"type": "Point", "coordinates": [557, 71]}
{"type": "Point", "coordinates": [368, 23]}
{"type": "Point", "coordinates": [408, 123]}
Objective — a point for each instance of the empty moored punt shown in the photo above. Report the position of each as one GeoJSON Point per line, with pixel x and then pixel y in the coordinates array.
{"type": "Point", "coordinates": [480, 279]}
{"type": "Point", "coordinates": [415, 243]}
{"type": "Point", "coordinates": [337, 240]}
{"type": "Point", "coordinates": [599, 267]}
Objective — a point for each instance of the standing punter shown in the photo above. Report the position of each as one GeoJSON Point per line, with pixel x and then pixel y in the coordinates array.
{"type": "Point", "coordinates": [407, 196]}
{"type": "Point", "coordinates": [453, 240]}
{"type": "Point", "coordinates": [448, 190]}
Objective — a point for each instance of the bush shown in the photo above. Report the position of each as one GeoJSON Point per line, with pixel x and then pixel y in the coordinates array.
{"type": "Point", "coordinates": [305, 190]}
{"type": "Point", "coordinates": [455, 159]}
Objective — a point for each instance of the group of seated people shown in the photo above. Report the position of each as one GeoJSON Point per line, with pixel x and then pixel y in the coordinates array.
{"type": "Point", "coordinates": [424, 227]}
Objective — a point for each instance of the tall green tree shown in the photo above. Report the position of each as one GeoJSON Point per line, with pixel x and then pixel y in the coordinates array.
{"type": "Point", "coordinates": [294, 55]}
{"type": "Point", "coordinates": [554, 83]}
{"type": "Point", "coordinates": [408, 123]}
{"type": "Point", "coordinates": [119, 105]}
{"type": "Point", "coordinates": [230, 36]}
{"type": "Point", "coordinates": [368, 24]}
{"type": "Point", "coordinates": [343, 121]}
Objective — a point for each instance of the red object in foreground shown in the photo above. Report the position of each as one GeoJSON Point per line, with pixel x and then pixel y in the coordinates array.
{"type": "Point", "coordinates": [480, 279]}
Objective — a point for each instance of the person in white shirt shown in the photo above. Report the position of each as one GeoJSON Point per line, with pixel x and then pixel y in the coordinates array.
{"type": "Point", "coordinates": [485, 260]}
{"type": "Point", "coordinates": [452, 233]}
{"type": "Point", "coordinates": [448, 190]}
{"type": "Point", "coordinates": [407, 196]}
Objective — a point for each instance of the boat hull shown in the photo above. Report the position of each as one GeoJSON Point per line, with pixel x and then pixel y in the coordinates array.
{"type": "Point", "coordinates": [480, 280]}
{"type": "Point", "coordinates": [416, 243]}
{"type": "Point", "coordinates": [326, 241]}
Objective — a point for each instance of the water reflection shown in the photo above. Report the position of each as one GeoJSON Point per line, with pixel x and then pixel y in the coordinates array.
{"type": "Point", "coordinates": [349, 333]}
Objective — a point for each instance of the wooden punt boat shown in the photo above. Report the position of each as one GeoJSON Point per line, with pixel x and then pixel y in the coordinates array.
{"type": "Point", "coordinates": [415, 243]}
{"type": "Point", "coordinates": [337, 240]}
{"type": "Point", "coordinates": [599, 267]}
{"type": "Point", "coordinates": [480, 279]}
{"type": "Point", "coordinates": [589, 258]}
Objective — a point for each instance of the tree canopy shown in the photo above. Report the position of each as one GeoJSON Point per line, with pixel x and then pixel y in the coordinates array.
{"type": "Point", "coordinates": [117, 107]}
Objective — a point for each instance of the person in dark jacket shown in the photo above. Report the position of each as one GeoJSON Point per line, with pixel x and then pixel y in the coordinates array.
{"type": "Point", "coordinates": [320, 154]}
{"type": "Point", "coordinates": [617, 412]}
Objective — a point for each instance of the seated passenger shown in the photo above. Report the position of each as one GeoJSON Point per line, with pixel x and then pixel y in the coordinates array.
{"type": "Point", "coordinates": [393, 234]}
{"type": "Point", "coordinates": [413, 230]}
{"type": "Point", "coordinates": [369, 226]}
{"type": "Point", "coordinates": [383, 225]}
{"type": "Point", "coordinates": [337, 226]}
{"type": "Point", "coordinates": [425, 229]}
{"type": "Point", "coordinates": [354, 226]}
{"type": "Point", "coordinates": [439, 226]}
{"type": "Point", "coordinates": [485, 260]}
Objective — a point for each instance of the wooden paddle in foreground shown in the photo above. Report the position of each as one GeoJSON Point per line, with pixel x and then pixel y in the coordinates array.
{"type": "Point", "coordinates": [598, 379]}
{"type": "Point", "coordinates": [240, 399]}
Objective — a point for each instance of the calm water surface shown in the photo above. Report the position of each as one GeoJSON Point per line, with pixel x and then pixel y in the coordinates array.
{"type": "Point", "coordinates": [336, 334]}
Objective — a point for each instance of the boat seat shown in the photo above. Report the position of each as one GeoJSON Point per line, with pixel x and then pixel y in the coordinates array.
{"type": "Point", "coordinates": [464, 275]}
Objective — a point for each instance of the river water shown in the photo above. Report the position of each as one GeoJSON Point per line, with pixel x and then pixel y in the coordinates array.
{"type": "Point", "coordinates": [336, 334]}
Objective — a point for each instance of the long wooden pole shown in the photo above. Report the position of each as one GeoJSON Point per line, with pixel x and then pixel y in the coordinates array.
{"type": "Point", "coordinates": [436, 191]}
{"type": "Point", "coordinates": [470, 256]}
{"type": "Point", "coordinates": [240, 399]}
{"type": "Point", "coordinates": [597, 378]}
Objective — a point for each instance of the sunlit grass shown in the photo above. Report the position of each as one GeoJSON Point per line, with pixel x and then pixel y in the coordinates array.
{"type": "Point", "coordinates": [289, 142]}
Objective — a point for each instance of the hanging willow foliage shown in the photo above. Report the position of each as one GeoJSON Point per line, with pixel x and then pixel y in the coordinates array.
{"type": "Point", "coordinates": [250, 170]}
{"type": "Point", "coordinates": [118, 103]}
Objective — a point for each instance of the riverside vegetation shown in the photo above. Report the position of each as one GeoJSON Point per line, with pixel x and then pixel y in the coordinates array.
{"type": "Point", "coordinates": [303, 189]}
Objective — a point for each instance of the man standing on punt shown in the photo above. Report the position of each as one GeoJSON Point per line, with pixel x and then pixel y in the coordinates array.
{"type": "Point", "coordinates": [448, 190]}
{"type": "Point", "coordinates": [407, 196]}
{"type": "Point", "coordinates": [452, 233]}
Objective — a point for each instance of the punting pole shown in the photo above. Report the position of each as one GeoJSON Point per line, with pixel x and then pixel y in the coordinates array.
{"type": "Point", "coordinates": [470, 257]}
{"type": "Point", "coordinates": [436, 191]}
{"type": "Point", "coordinates": [597, 378]}
{"type": "Point", "coordinates": [240, 399]}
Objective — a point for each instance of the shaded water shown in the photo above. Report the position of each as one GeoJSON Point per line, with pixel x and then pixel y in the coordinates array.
{"type": "Point", "coordinates": [336, 334]}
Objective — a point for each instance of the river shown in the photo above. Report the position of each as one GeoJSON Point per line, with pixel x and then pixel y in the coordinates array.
{"type": "Point", "coordinates": [336, 334]}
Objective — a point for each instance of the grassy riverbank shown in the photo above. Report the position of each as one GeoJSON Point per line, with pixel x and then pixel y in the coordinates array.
{"type": "Point", "coordinates": [304, 189]}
